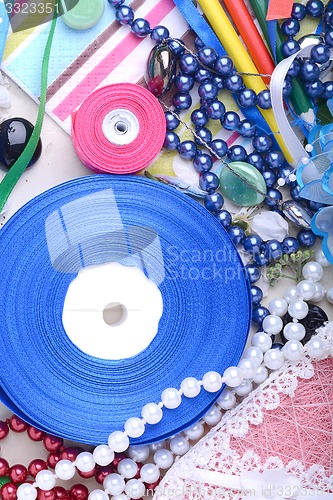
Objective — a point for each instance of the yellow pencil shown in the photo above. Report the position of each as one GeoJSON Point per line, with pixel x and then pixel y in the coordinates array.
{"type": "Point", "coordinates": [243, 62]}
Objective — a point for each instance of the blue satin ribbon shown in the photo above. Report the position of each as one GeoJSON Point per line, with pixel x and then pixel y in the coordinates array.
{"type": "Point", "coordinates": [200, 26]}
{"type": "Point", "coordinates": [55, 386]}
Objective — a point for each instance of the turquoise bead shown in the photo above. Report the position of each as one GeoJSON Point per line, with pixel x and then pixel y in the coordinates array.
{"type": "Point", "coordinates": [84, 15]}
{"type": "Point", "coordinates": [238, 191]}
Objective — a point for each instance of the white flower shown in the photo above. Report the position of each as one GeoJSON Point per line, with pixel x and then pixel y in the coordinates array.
{"type": "Point", "coordinates": [269, 226]}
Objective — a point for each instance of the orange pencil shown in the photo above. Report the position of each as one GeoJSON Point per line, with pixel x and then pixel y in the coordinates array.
{"type": "Point", "coordinates": [251, 36]}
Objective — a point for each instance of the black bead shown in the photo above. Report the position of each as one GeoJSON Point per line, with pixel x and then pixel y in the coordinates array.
{"type": "Point", "coordinates": [315, 318]}
{"type": "Point", "coordinates": [14, 136]}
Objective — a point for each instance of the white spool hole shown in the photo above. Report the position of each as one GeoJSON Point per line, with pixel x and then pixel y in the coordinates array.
{"type": "Point", "coordinates": [114, 314]}
{"type": "Point", "coordinates": [120, 126]}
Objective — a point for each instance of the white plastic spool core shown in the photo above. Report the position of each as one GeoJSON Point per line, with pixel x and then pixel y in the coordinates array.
{"type": "Point", "coordinates": [120, 126]}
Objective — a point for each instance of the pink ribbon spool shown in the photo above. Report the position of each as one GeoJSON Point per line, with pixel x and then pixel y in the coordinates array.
{"type": "Point", "coordinates": [118, 129]}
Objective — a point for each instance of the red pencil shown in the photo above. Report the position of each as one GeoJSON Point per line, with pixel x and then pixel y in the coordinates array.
{"type": "Point", "coordinates": [251, 36]}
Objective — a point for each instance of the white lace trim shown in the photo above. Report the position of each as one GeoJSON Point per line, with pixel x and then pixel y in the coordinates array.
{"type": "Point", "coordinates": [213, 452]}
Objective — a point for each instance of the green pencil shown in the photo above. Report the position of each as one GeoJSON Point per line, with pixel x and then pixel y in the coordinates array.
{"type": "Point", "coordinates": [300, 101]}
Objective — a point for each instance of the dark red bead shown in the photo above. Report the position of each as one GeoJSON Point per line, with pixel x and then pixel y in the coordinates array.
{"type": "Point", "coordinates": [18, 473]}
{"type": "Point", "coordinates": [60, 492]}
{"type": "Point", "coordinates": [87, 475]}
{"type": "Point", "coordinates": [152, 486]}
{"type": "Point", "coordinates": [35, 434]}
{"type": "Point", "coordinates": [70, 452]}
{"type": "Point", "coordinates": [118, 458]}
{"type": "Point", "coordinates": [102, 472]}
{"type": "Point", "coordinates": [79, 492]}
{"type": "Point", "coordinates": [46, 495]}
{"type": "Point", "coordinates": [4, 467]}
{"type": "Point", "coordinates": [4, 429]}
{"type": "Point", "coordinates": [52, 443]}
{"type": "Point", "coordinates": [140, 465]}
{"type": "Point", "coordinates": [8, 491]}
{"type": "Point", "coordinates": [17, 424]}
{"type": "Point", "coordinates": [35, 466]}
{"type": "Point", "coordinates": [53, 458]}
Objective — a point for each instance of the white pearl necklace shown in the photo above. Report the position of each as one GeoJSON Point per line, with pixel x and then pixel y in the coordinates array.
{"type": "Point", "coordinates": [252, 368]}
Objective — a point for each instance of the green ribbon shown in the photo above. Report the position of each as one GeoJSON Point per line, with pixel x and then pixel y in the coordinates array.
{"type": "Point", "coordinates": [13, 175]}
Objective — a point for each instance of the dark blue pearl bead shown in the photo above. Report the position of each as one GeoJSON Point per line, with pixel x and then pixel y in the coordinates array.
{"type": "Point", "coordinates": [315, 205]}
{"type": "Point", "coordinates": [252, 244]}
{"type": "Point", "coordinates": [184, 83]}
{"type": "Point", "coordinates": [176, 47]}
{"type": "Point", "coordinates": [329, 37]}
{"type": "Point", "coordinates": [220, 147]}
{"type": "Point", "coordinates": [198, 43]}
{"type": "Point", "coordinates": [205, 136]}
{"type": "Point", "coordinates": [246, 128]}
{"type": "Point", "coordinates": [237, 234]}
{"type": "Point", "coordinates": [294, 193]}
{"type": "Point", "coordinates": [298, 11]}
{"type": "Point", "coordinates": [256, 295]}
{"type": "Point", "coordinates": [320, 53]}
{"type": "Point", "coordinates": [187, 150]}
{"type": "Point", "coordinates": [202, 162]}
{"type": "Point", "coordinates": [214, 202]}
{"type": "Point", "coordinates": [262, 143]}
{"type": "Point", "coordinates": [188, 64]}
{"type": "Point", "coordinates": [225, 218]}
{"type": "Point", "coordinates": [261, 259]}
{"type": "Point", "coordinates": [314, 89]}
{"type": "Point", "coordinates": [171, 141]}
{"type": "Point", "coordinates": [277, 345]}
{"type": "Point", "coordinates": [270, 178]}
{"type": "Point", "coordinates": [314, 8]}
{"type": "Point", "coordinates": [208, 181]}
{"type": "Point", "coordinates": [125, 15]}
{"type": "Point", "coordinates": [274, 159]}
{"type": "Point", "coordinates": [219, 82]}
{"type": "Point", "coordinates": [247, 98]}
{"type": "Point", "coordinates": [284, 173]}
{"type": "Point", "coordinates": [116, 3]}
{"type": "Point", "coordinates": [237, 153]}
{"type": "Point", "coordinates": [306, 238]}
{"type": "Point", "coordinates": [309, 71]}
{"type": "Point", "coordinates": [207, 56]}
{"type": "Point", "coordinates": [294, 69]}
{"type": "Point", "coordinates": [290, 245]}
{"type": "Point", "coordinates": [259, 313]}
{"type": "Point", "coordinates": [287, 87]}
{"type": "Point", "coordinates": [159, 34]}
{"type": "Point", "coordinates": [224, 66]}
{"type": "Point", "coordinates": [273, 196]}
{"type": "Point", "coordinates": [207, 90]}
{"type": "Point", "coordinates": [182, 101]}
{"type": "Point", "coordinates": [328, 18]}
{"type": "Point", "coordinates": [15, 134]}
{"type": "Point", "coordinates": [289, 47]}
{"type": "Point", "coordinates": [230, 121]}
{"type": "Point", "coordinates": [256, 160]}
{"type": "Point", "coordinates": [273, 250]}
{"type": "Point", "coordinates": [140, 27]}
{"type": "Point", "coordinates": [202, 75]}
{"type": "Point", "coordinates": [327, 91]}
{"type": "Point", "coordinates": [215, 109]}
{"type": "Point", "coordinates": [264, 99]}
{"type": "Point", "coordinates": [290, 27]}
{"type": "Point", "coordinates": [234, 83]}
{"type": "Point", "coordinates": [253, 272]}
{"type": "Point", "coordinates": [199, 117]}
{"type": "Point", "coordinates": [172, 121]}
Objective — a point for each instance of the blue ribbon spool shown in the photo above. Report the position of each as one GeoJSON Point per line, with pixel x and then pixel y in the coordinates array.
{"type": "Point", "coordinates": [55, 386]}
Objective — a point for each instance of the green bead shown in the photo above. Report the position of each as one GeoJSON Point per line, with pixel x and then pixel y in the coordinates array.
{"type": "Point", "coordinates": [235, 189]}
{"type": "Point", "coordinates": [84, 15]}
{"type": "Point", "coordinates": [4, 480]}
